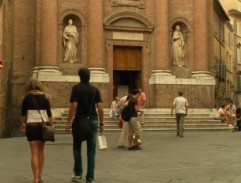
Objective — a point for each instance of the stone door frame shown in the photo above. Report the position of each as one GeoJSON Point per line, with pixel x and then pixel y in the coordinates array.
{"type": "Point", "coordinates": [146, 66]}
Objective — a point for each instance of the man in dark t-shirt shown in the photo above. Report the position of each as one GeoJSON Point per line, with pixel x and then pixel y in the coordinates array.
{"type": "Point", "coordinates": [84, 100]}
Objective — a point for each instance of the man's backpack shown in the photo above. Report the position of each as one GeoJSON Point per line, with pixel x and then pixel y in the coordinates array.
{"type": "Point", "coordinates": [126, 113]}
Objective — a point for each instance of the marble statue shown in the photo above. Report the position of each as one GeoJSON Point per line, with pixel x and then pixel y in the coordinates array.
{"type": "Point", "coordinates": [71, 41]}
{"type": "Point", "coordinates": [178, 47]}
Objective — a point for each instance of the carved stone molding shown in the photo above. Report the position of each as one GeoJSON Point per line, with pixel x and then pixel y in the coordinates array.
{"type": "Point", "coordinates": [131, 3]}
{"type": "Point", "coordinates": [111, 21]}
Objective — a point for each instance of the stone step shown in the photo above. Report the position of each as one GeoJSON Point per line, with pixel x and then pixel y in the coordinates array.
{"type": "Point", "coordinates": [158, 120]}
{"type": "Point", "coordinates": [155, 120]}
{"type": "Point", "coordinates": [118, 130]}
{"type": "Point", "coordinates": [157, 125]}
{"type": "Point", "coordinates": [153, 115]}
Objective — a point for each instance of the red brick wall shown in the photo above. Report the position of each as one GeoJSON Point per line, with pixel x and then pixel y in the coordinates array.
{"type": "Point", "coordinates": [162, 96]}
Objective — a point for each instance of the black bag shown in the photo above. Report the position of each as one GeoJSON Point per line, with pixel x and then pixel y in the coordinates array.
{"type": "Point", "coordinates": [47, 133]}
{"type": "Point", "coordinates": [126, 113]}
{"type": "Point", "coordinates": [82, 130]}
{"type": "Point", "coordinates": [47, 130]}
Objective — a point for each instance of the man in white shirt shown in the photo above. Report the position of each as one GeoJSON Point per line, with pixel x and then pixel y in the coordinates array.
{"type": "Point", "coordinates": [180, 105]}
{"type": "Point", "coordinates": [114, 109]}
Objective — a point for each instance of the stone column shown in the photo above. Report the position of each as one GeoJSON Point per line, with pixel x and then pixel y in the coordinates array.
{"type": "Point", "coordinates": [48, 39]}
{"type": "Point", "coordinates": [161, 63]}
{"type": "Point", "coordinates": [95, 35]}
{"type": "Point", "coordinates": [200, 32]}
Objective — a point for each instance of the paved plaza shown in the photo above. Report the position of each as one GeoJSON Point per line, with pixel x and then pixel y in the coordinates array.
{"type": "Point", "coordinates": [199, 157]}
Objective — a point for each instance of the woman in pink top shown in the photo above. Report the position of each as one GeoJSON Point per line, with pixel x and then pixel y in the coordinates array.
{"type": "Point", "coordinates": [221, 114]}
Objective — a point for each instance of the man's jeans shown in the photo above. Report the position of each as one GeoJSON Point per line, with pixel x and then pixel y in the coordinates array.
{"type": "Point", "coordinates": [115, 113]}
{"type": "Point", "coordinates": [180, 123]}
{"type": "Point", "coordinates": [91, 151]}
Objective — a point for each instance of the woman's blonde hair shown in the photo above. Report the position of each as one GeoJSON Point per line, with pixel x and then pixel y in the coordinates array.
{"type": "Point", "coordinates": [33, 84]}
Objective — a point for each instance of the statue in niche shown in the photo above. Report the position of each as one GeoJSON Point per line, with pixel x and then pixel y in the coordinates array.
{"type": "Point", "coordinates": [178, 47]}
{"type": "Point", "coordinates": [71, 42]}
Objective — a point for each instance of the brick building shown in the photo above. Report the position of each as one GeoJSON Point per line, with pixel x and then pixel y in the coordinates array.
{"type": "Point", "coordinates": [233, 9]}
{"type": "Point", "coordinates": [126, 44]}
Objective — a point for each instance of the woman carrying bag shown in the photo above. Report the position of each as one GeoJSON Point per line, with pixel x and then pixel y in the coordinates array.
{"type": "Point", "coordinates": [35, 107]}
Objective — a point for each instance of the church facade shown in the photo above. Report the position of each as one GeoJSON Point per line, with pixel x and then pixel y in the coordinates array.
{"type": "Point", "coordinates": [161, 46]}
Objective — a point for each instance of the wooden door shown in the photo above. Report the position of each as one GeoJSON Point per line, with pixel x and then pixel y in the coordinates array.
{"type": "Point", "coordinates": [127, 66]}
{"type": "Point", "coordinates": [127, 58]}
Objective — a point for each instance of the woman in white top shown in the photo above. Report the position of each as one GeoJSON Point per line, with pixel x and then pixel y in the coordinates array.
{"type": "Point", "coordinates": [35, 107]}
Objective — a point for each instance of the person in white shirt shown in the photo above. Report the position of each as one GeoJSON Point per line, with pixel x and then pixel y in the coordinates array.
{"type": "Point", "coordinates": [180, 105]}
{"type": "Point", "coordinates": [115, 108]}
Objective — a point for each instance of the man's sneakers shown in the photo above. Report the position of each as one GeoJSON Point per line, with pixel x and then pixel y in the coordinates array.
{"type": "Point", "coordinates": [79, 179]}
{"type": "Point", "coordinates": [136, 147]}
{"type": "Point", "coordinates": [76, 178]}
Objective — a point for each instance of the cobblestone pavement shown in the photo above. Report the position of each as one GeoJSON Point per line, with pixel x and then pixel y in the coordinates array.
{"type": "Point", "coordinates": [199, 157]}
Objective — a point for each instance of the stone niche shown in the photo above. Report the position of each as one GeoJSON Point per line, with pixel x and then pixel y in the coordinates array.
{"type": "Point", "coordinates": [69, 68]}
{"type": "Point", "coordinates": [183, 70]}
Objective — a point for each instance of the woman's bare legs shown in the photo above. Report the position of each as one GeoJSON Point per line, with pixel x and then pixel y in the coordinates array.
{"type": "Point", "coordinates": [37, 159]}
{"type": "Point", "coordinates": [41, 159]}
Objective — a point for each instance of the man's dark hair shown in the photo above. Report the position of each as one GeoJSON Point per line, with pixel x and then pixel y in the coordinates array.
{"type": "Point", "coordinates": [180, 93]}
{"type": "Point", "coordinates": [135, 91]}
{"type": "Point", "coordinates": [84, 74]}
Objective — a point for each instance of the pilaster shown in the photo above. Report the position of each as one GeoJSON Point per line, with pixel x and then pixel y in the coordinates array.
{"type": "Point", "coordinates": [200, 32]}
{"type": "Point", "coordinates": [95, 34]}
{"type": "Point", "coordinates": [48, 39]}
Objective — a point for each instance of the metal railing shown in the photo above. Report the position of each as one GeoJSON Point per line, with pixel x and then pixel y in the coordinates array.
{"type": "Point", "coordinates": [206, 105]}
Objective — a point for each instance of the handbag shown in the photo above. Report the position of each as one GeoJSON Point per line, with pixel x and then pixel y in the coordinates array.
{"type": "Point", "coordinates": [102, 141]}
{"type": "Point", "coordinates": [81, 129]}
{"type": "Point", "coordinates": [120, 123]}
{"type": "Point", "coordinates": [47, 130]}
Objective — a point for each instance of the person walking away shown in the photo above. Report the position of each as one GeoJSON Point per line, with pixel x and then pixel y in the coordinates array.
{"type": "Point", "coordinates": [231, 113]}
{"type": "Point", "coordinates": [221, 114]}
{"type": "Point", "coordinates": [180, 105]}
{"type": "Point", "coordinates": [134, 125]}
{"type": "Point", "coordinates": [35, 107]}
{"type": "Point", "coordinates": [84, 100]}
{"type": "Point", "coordinates": [125, 130]}
{"type": "Point", "coordinates": [141, 103]}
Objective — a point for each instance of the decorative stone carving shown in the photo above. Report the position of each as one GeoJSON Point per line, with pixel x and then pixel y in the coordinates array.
{"type": "Point", "coordinates": [178, 44]}
{"type": "Point", "coordinates": [71, 42]}
{"type": "Point", "coordinates": [131, 3]}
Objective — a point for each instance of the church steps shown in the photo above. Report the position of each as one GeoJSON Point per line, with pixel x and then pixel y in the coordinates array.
{"type": "Point", "coordinates": [158, 121]}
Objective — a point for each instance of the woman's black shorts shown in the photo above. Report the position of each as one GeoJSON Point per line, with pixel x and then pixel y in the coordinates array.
{"type": "Point", "coordinates": [34, 133]}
